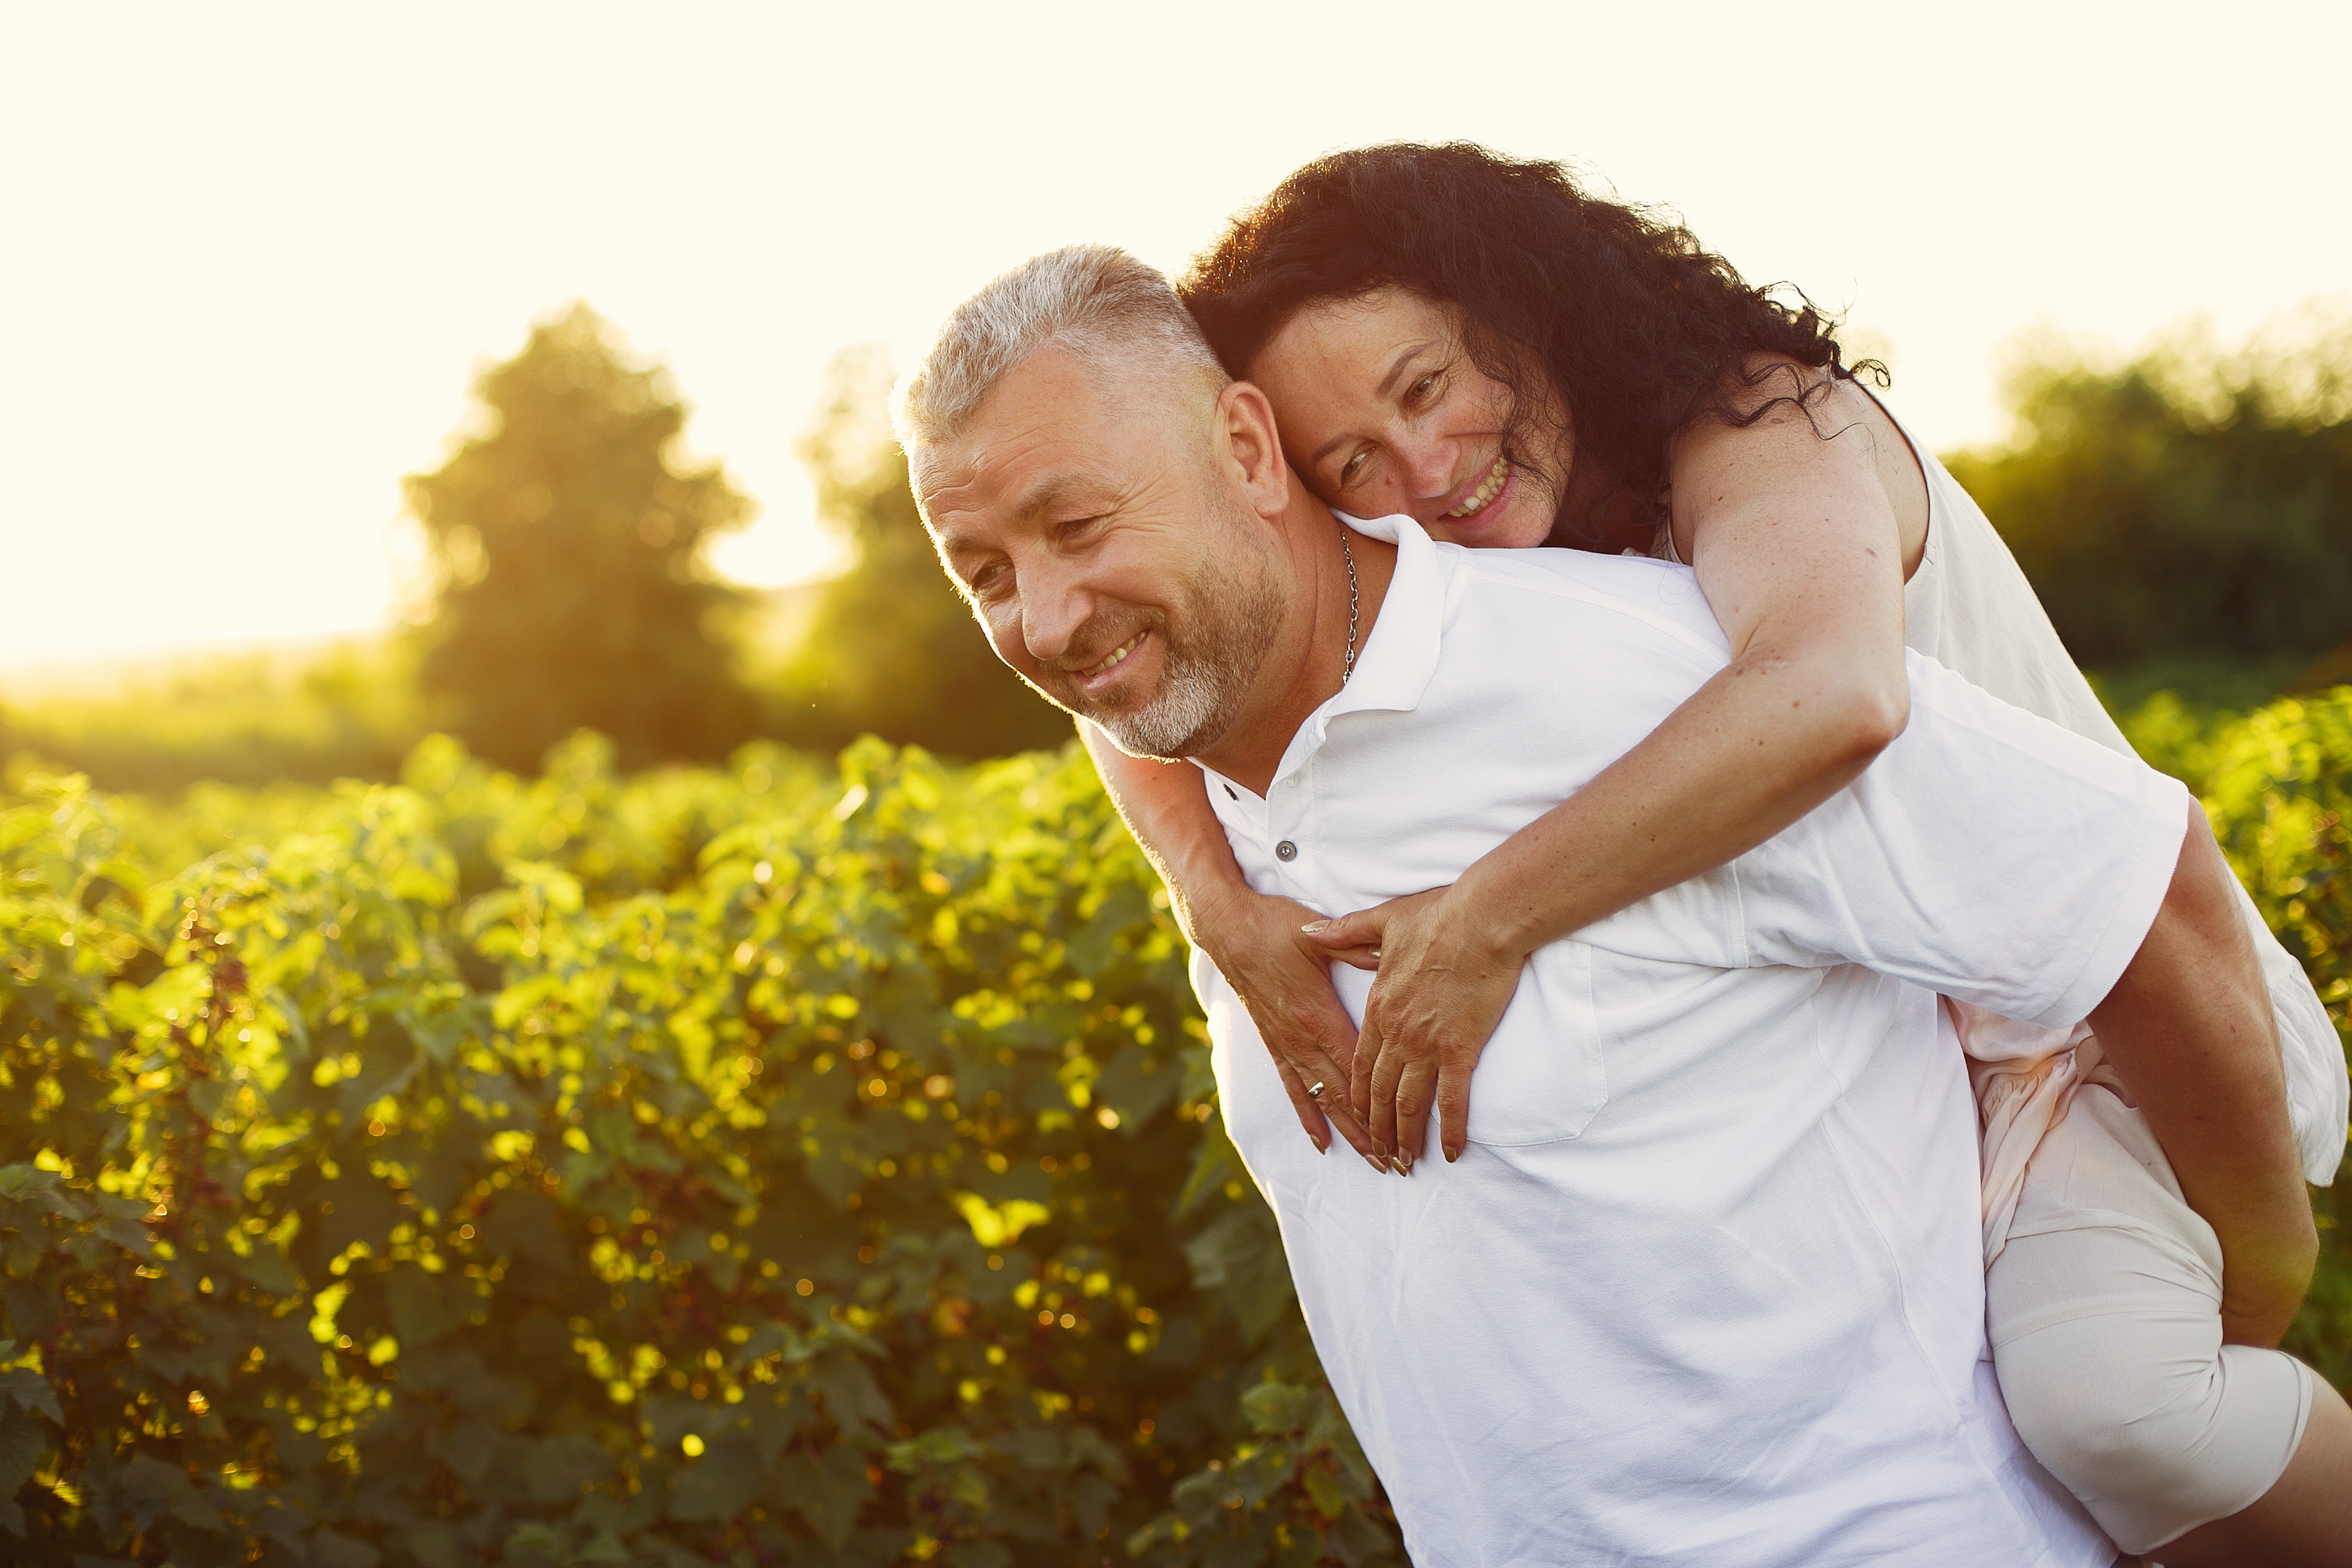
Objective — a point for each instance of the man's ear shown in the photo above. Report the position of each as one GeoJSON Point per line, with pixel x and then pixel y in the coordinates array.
{"type": "Point", "coordinates": [1245, 420]}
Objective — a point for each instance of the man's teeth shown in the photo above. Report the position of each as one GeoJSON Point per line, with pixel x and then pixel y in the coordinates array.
{"type": "Point", "coordinates": [1487, 489]}
{"type": "Point", "coordinates": [1116, 654]}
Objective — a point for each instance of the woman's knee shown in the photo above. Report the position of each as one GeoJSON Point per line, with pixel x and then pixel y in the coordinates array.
{"type": "Point", "coordinates": [2154, 1434]}
{"type": "Point", "coordinates": [2108, 1415]}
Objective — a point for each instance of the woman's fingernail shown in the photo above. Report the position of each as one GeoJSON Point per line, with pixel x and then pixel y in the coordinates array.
{"type": "Point", "coordinates": [1453, 1152]}
{"type": "Point", "coordinates": [1402, 1166]}
{"type": "Point", "coordinates": [1311, 927]}
{"type": "Point", "coordinates": [1376, 1167]}
{"type": "Point", "coordinates": [1320, 1146]}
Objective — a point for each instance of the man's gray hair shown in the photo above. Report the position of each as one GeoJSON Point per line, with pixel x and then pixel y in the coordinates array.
{"type": "Point", "coordinates": [1095, 302]}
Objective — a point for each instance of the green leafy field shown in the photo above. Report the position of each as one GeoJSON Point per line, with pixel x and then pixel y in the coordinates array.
{"type": "Point", "coordinates": [786, 1163]}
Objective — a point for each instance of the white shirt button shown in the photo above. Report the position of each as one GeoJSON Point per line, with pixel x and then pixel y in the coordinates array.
{"type": "Point", "coordinates": [1286, 851]}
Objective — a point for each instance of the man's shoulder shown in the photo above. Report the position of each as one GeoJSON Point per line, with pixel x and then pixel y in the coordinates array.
{"type": "Point", "coordinates": [1576, 593]}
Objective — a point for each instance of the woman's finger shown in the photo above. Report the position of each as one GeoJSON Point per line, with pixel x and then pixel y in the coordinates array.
{"type": "Point", "coordinates": [1383, 1123]}
{"type": "Point", "coordinates": [1453, 1103]}
{"type": "Point", "coordinates": [1360, 930]}
{"type": "Point", "coordinates": [1316, 1088]}
{"type": "Point", "coordinates": [1416, 1092]}
{"type": "Point", "coordinates": [1360, 1067]}
{"type": "Point", "coordinates": [1310, 1114]}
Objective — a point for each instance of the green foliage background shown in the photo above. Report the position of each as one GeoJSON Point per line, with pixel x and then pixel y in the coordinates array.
{"type": "Point", "coordinates": [775, 1164]}
{"type": "Point", "coordinates": [570, 542]}
{"type": "Point", "coordinates": [780, 1164]}
{"type": "Point", "coordinates": [2191, 508]}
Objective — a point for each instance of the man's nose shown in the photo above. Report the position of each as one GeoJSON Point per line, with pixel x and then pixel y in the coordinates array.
{"type": "Point", "coordinates": [1054, 606]}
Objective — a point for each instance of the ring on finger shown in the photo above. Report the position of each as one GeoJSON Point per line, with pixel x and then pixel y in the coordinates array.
{"type": "Point", "coordinates": [1315, 1090]}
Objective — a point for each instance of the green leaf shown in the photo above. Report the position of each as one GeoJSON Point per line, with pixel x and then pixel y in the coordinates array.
{"type": "Point", "coordinates": [151, 1487]}
{"type": "Point", "coordinates": [940, 1446]}
{"type": "Point", "coordinates": [556, 1468]}
{"type": "Point", "coordinates": [721, 1483]}
{"type": "Point", "coordinates": [23, 1442]}
{"type": "Point", "coordinates": [1275, 1408]}
{"type": "Point", "coordinates": [424, 1307]}
{"type": "Point", "coordinates": [1239, 1256]}
{"type": "Point", "coordinates": [29, 1391]}
{"type": "Point", "coordinates": [333, 1549]}
{"type": "Point", "coordinates": [829, 1492]}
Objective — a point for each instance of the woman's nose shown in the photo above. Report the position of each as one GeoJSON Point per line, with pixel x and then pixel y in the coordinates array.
{"type": "Point", "coordinates": [1428, 470]}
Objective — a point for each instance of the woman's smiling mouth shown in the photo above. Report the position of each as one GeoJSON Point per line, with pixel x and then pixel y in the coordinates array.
{"type": "Point", "coordinates": [1488, 489]}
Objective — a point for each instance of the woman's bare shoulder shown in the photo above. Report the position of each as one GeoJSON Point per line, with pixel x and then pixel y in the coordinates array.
{"type": "Point", "coordinates": [1776, 424]}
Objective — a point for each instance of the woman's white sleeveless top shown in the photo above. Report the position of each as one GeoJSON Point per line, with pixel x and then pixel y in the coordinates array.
{"type": "Point", "coordinates": [1969, 607]}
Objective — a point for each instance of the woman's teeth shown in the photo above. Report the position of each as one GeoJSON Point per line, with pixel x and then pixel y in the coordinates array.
{"type": "Point", "coordinates": [1113, 658]}
{"type": "Point", "coordinates": [1487, 490]}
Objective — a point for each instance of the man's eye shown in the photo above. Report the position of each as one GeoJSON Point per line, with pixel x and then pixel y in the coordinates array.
{"type": "Point", "coordinates": [990, 581]}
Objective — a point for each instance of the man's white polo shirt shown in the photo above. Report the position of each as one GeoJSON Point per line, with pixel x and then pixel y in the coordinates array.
{"type": "Point", "coordinates": [1707, 1287]}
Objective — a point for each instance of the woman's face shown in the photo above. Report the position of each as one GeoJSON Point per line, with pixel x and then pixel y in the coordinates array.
{"type": "Point", "coordinates": [1382, 411]}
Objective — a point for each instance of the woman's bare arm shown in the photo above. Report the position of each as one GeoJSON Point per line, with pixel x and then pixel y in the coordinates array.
{"type": "Point", "coordinates": [1799, 551]}
{"type": "Point", "coordinates": [1255, 941]}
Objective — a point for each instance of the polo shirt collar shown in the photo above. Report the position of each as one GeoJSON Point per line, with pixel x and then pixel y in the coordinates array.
{"type": "Point", "coordinates": [1399, 658]}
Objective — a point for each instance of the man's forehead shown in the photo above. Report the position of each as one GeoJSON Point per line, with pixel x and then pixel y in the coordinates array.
{"type": "Point", "coordinates": [1012, 476]}
{"type": "Point", "coordinates": [1044, 434]}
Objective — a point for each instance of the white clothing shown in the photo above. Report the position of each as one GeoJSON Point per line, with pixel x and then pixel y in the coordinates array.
{"type": "Point", "coordinates": [2103, 1286]}
{"type": "Point", "coordinates": [1707, 1287]}
{"type": "Point", "coordinates": [1969, 607]}
{"type": "Point", "coordinates": [2104, 1313]}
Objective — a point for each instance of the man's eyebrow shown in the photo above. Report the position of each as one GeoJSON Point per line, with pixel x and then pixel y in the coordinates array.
{"type": "Point", "coordinates": [1406, 356]}
{"type": "Point", "coordinates": [952, 545]}
{"type": "Point", "coordinates": [1052, 493]}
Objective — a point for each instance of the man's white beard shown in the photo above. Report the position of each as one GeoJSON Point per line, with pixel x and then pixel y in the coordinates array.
{"type": "Point", "coordinates": [1228, 623]}
{"type": "Point", "coordinates": [1191, 701]}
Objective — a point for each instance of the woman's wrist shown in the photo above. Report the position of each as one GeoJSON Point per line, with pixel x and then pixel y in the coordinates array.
{"type": "Point", "coordinates": [1491, 919]}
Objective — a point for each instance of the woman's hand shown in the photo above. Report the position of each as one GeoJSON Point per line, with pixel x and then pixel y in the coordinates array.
{"type": "Point", "coordinates": [1440, 990]}
{"type": "Point", "coordinates": [1284, 981]}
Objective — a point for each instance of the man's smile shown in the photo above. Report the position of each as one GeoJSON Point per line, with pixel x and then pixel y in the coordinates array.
{"type": "Point", "coordinates": [1094, 678]}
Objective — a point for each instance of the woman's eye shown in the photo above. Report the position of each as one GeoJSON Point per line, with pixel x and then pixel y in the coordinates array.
{"type": "Point", "coordinates": [1422, 391]}
{"type": "Point", "coordinates": [1354, 469]}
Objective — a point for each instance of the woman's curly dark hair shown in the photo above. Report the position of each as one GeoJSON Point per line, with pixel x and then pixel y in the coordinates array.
{"type": "Point", "coordinates": [1639, 327]}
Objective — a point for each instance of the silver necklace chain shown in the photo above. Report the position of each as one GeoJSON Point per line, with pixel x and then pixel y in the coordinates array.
{"type": "Point", "coordinates": [1347, 666]}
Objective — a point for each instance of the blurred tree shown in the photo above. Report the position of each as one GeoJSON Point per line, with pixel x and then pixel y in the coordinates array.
{"type": "Point", "coordinates": [2193, 504]}
{"type": "Point", "coordinates": [572, 592]}
{"type": "Point", "coordinates": [892, 649]}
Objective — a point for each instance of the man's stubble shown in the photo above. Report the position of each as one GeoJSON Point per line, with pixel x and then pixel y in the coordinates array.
{"type": "Point", "coordinates": [1223, 622]}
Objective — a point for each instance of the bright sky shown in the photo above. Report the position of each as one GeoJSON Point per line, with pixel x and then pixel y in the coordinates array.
{"type": "Point", "coordinates": [255, 254]}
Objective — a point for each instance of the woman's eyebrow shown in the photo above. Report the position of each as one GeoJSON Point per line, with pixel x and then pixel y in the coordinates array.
{"type": "Point", "coordinates": [1396, 367]}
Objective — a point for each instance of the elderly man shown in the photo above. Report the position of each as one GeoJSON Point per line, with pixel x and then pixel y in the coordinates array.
{"type": "Point", "coordinates": [1706, 1285]}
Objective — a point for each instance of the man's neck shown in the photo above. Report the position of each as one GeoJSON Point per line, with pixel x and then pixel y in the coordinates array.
{"type": "Point", "coordinates": [1332, 569]}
